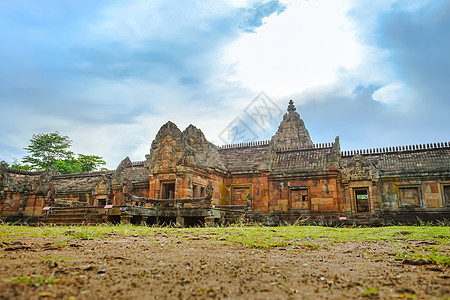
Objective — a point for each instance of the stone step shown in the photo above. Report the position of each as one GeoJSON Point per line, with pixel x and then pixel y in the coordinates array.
{"type": "Point", "coordinates": [74, 216]}
{"type": "Point", "coordinates": [71, 223]}
{"type": "Point", "coordinates": [72, 220]}
{"type": "Point", "coordinates": [73, 212]}
{"type": "Point", "coordinates": [75, 209]}
{"type": "Point", "coordinates": [69, 213]}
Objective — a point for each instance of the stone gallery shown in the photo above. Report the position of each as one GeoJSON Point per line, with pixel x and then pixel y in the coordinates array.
{"type": "Point", "coordinates": [187, 180]}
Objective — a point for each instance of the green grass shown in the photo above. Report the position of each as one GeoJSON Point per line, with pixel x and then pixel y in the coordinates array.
{"type": "Point", "coordinates": [249, 236]}
{"type": "Point", "coordinates": [56, 259]}
{"type": "Point", "coordinates": [428, 253]}
{"type": "Point", "coordinates": [370, 292]}
{"type": "Point", "coordinates": [34, 280]}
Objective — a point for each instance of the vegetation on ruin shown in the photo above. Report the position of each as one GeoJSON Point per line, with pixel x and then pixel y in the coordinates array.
{"type": "Point", "coordinates": [48, 150]}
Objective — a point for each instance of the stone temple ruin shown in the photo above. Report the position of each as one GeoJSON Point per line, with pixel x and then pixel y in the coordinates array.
{"type": "Point", "coordinates": [187, 180]}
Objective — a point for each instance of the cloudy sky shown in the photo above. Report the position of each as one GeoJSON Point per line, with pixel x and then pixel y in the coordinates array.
{"type": "Point", "coordinates": [109, 73]}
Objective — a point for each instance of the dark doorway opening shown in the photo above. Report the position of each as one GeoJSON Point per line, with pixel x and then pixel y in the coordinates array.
{"type": "Point", "coordinates": [362, 200]}
{"type": "Point", "coordinates": [136, 220]}
{"type": "Point", "coordinates": [194, 221]}
{"type": "Point", "coordinates": [101, 202]}
{"type": "Point", "coordinates": [168, 190]}
{"type": "Point", "coordinates": [167, 221]}
{"type": "Point", "coordinates": [151, 220]}
{"type": "Point", "coordinates": [114, 219]}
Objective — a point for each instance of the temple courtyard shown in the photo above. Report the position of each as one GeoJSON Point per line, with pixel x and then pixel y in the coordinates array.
{"type": "Point", "coordinates": [238, 262]}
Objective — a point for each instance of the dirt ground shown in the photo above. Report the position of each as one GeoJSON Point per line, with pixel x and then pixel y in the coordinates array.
{"type": "Point", "coordinates": [199, 267]}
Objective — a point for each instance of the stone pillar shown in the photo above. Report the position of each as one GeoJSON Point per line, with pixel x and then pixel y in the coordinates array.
{"type": "Point", "coordinates": [209, 221]}
{"type": "Point", "coordinates": [371, 200]}
{"type": "Point", "coordinates": [157, 189]}
{"type": "Point", "coordinates": [352, 200]}
{"type": "Point", "coordinates": [125, 219]}
{"type": "Point", "coordinates": [180, 221]}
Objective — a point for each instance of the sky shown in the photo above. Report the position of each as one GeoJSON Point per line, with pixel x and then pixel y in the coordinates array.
{"type": "Point", "coordinates": [109, 74]}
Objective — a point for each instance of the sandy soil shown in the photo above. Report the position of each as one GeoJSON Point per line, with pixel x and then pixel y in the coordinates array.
{"type": "Point", "coordinates": [199, 267]}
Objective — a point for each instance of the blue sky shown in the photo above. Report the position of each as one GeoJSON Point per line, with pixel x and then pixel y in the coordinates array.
{"type": "Point", "coordinates": [109, 73]}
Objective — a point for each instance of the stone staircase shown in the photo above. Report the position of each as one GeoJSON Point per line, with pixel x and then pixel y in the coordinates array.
{"type": "Point", "coordinates": [367, 220]}
{"type": "Point", "coordinates": [73, 216]}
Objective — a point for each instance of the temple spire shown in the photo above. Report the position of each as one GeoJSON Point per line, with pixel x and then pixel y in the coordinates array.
{"type": "Point", "coordinates": [291, 106]}
{"type": "Point", "coordinates": [292, 131]}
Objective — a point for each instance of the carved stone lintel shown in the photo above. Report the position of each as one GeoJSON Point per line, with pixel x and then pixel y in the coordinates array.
{"type": "Point", "coordinates": [359, 168]}
{"type": "Point", "coordinates": [167, 176]}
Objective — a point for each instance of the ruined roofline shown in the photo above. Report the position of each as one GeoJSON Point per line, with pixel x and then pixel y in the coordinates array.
{"type": "Point", "coordinates": [408, 148]}
{"type": "Point", "coordinates": [23, 172]}
{"type": "Point", "coordinates": [84, 174]}
{"type": "Point", "coordinates": [139, 163]}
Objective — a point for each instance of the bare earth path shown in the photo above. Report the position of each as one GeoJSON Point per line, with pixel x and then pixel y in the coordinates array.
{"type": "Point", "coordinates": [199, 266]}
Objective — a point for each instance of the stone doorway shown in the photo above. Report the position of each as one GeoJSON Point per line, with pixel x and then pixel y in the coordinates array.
{"type": "Point", "coordinates": [101, 202]}
{"type": "Point", "coordinates": [362, 200]}
{"type": "Point", "coordinates": [168, 190]}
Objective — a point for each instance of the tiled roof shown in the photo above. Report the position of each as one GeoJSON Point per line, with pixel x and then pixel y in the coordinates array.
{"type": "Point", "coordinates": [414, 161]}
{"type": "Point", "coordinates": [137, 173]}
{"type": "Point", "coordinates": [243, 159]}
{"type": "Point", "coordinates": [76, 184]}
{"type": "Point", "coordinates": [302, 160]}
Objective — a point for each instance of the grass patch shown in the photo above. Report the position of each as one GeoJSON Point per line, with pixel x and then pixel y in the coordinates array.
{"type": "Point", "coordinates": [371, 292]}
{"type": "Point", "coordinates": [56, 259]}
{"type": "Point", "coordinates": [249, 236]}
{"type": "Point", "coordinates": [429, 253]}
{"type": "Point", "coordinates": [34, 280]}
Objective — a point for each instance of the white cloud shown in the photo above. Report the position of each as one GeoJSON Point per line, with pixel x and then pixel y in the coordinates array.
{"type": "Point", "coordinates": [390, 93]}
{"type": "Point", "coordinates": [303, 47]}
{"type": "Point", "coordinates": [140, 21]}
{"type": "Point", "coordinates": [139, 64]}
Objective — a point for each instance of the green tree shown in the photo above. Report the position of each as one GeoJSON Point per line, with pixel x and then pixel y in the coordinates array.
{"type": "Point", "coordinates": [68, 166]}
{"type": "Point", "coordinates": [18, 165]}
{"type": "Point", "coordinates": [52, 149]}
{"type": "Point", "coordinates": [90, 163]}
{"type": "Point", "coordinates": [47, 148]}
